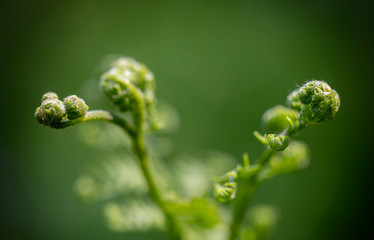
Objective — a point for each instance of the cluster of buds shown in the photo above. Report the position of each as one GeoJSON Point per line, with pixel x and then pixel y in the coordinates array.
{"type": "Point", "coordinates": [53, 111]}
{"type": "Point", "coordinates": [313, 103]}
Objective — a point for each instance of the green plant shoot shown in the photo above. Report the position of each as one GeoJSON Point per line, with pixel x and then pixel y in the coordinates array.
{"type": "Point", "coordinates": [130, 86]}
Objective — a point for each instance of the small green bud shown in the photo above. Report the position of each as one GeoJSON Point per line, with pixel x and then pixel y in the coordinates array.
{"type": "Point", "coordinates": [49, 95]}
{"type": "Point", "coordinates": [125, 77]}
{"type": "Point", "coordinates": [75, 107]}
{"type": "Point", "coordinates": [277, 143]}
{"type": "Point", "coordinates": [50, 112]}
{"type": "Point", "coordinates": [321, 103]}
{"type": "Point", "coordinates": [226, 192]}
{"type": "Point", "coordinates": [275, 119]}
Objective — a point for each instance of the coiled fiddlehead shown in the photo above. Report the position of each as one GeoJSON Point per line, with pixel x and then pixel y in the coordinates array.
{"type": "Point", "coordinates": [320, 102]}
{"type": "Point", "coordinates": [75, 107]}
{"type": "Point", "coordinates": [51, 111]}
{"type": "Point", "coordinates": [130, 85]}
{"type": "Point", "coordinates": [277, 143]}
{"type": "Point", "coordinates": [125, 81]}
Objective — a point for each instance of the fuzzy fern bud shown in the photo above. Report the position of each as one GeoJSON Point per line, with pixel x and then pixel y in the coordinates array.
{"type": "Point", "coordinates": [118, 91]}
{"type": "Point", "coordinates": [321, 103]}
{"type": "Point", "coordinates": [122, 81]}
{"type": "Point", "coordinates": [277, 143]}
{"type": "Point", "coordinates": [50, 112]}
{"type": "Point", "coordinates": [75, 107]}
{"type": "Point", "coordinates": [48, 95]}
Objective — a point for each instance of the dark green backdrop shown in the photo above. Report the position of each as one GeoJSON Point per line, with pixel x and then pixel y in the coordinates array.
{"type": "Point", "coordinates": [221, 64]}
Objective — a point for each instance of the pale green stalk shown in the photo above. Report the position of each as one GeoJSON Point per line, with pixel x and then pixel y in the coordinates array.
{"type": "Point", "coordinates": [139, 148]}
{"type": "Point", "coordinates": [247, 187]}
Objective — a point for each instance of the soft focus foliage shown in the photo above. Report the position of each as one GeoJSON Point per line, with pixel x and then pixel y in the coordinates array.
{"type": "Point", "coordinates": [137, 215]}
{"type": "Point", "coordinates": [295, 157]}
{"type": "Point", "coordinates": [221, 64]}
{"type": "Point", "coordinates": [130, 85]}
{"type": "Point", "coordinates": [261, 221]}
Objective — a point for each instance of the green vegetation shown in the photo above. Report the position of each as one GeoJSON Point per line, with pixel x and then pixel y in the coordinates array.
{"type": "Point", "coordinates": [187, 212]}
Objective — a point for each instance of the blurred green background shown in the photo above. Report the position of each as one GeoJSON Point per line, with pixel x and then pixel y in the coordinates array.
{"type": "Point", "coordinates": [221, 64]}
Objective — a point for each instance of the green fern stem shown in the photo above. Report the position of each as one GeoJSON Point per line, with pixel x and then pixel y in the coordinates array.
{"type": "Point", "coordinates": [247, 188]}
{"type": "Point", "coordinates": [249, 184]}
{"type": "Point", "coordinates": [98, 115]}
{"type": "Point", "coordinates": [172, 226]}
{"type": "Point", "coordinates": [139, 148]}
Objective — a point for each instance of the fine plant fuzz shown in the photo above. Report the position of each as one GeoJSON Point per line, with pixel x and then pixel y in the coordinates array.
{"type": "Point", "coordinates": [130, 86]}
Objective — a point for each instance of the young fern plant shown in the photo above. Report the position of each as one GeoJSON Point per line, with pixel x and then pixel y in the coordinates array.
{"type": "Point", "coordinates": [130, 86]}
{"type": "Point", "coordinates": [313, 103]}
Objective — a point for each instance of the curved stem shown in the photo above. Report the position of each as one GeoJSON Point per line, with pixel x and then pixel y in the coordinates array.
{"type": "Point", "coordinates": [247, 187]}
{"type": "Point", "coordinates": [266, 156]}
{"type": "Point", "coordinates": [173, 228]}
{"type": "Point", "coordinates": [98, 115]}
